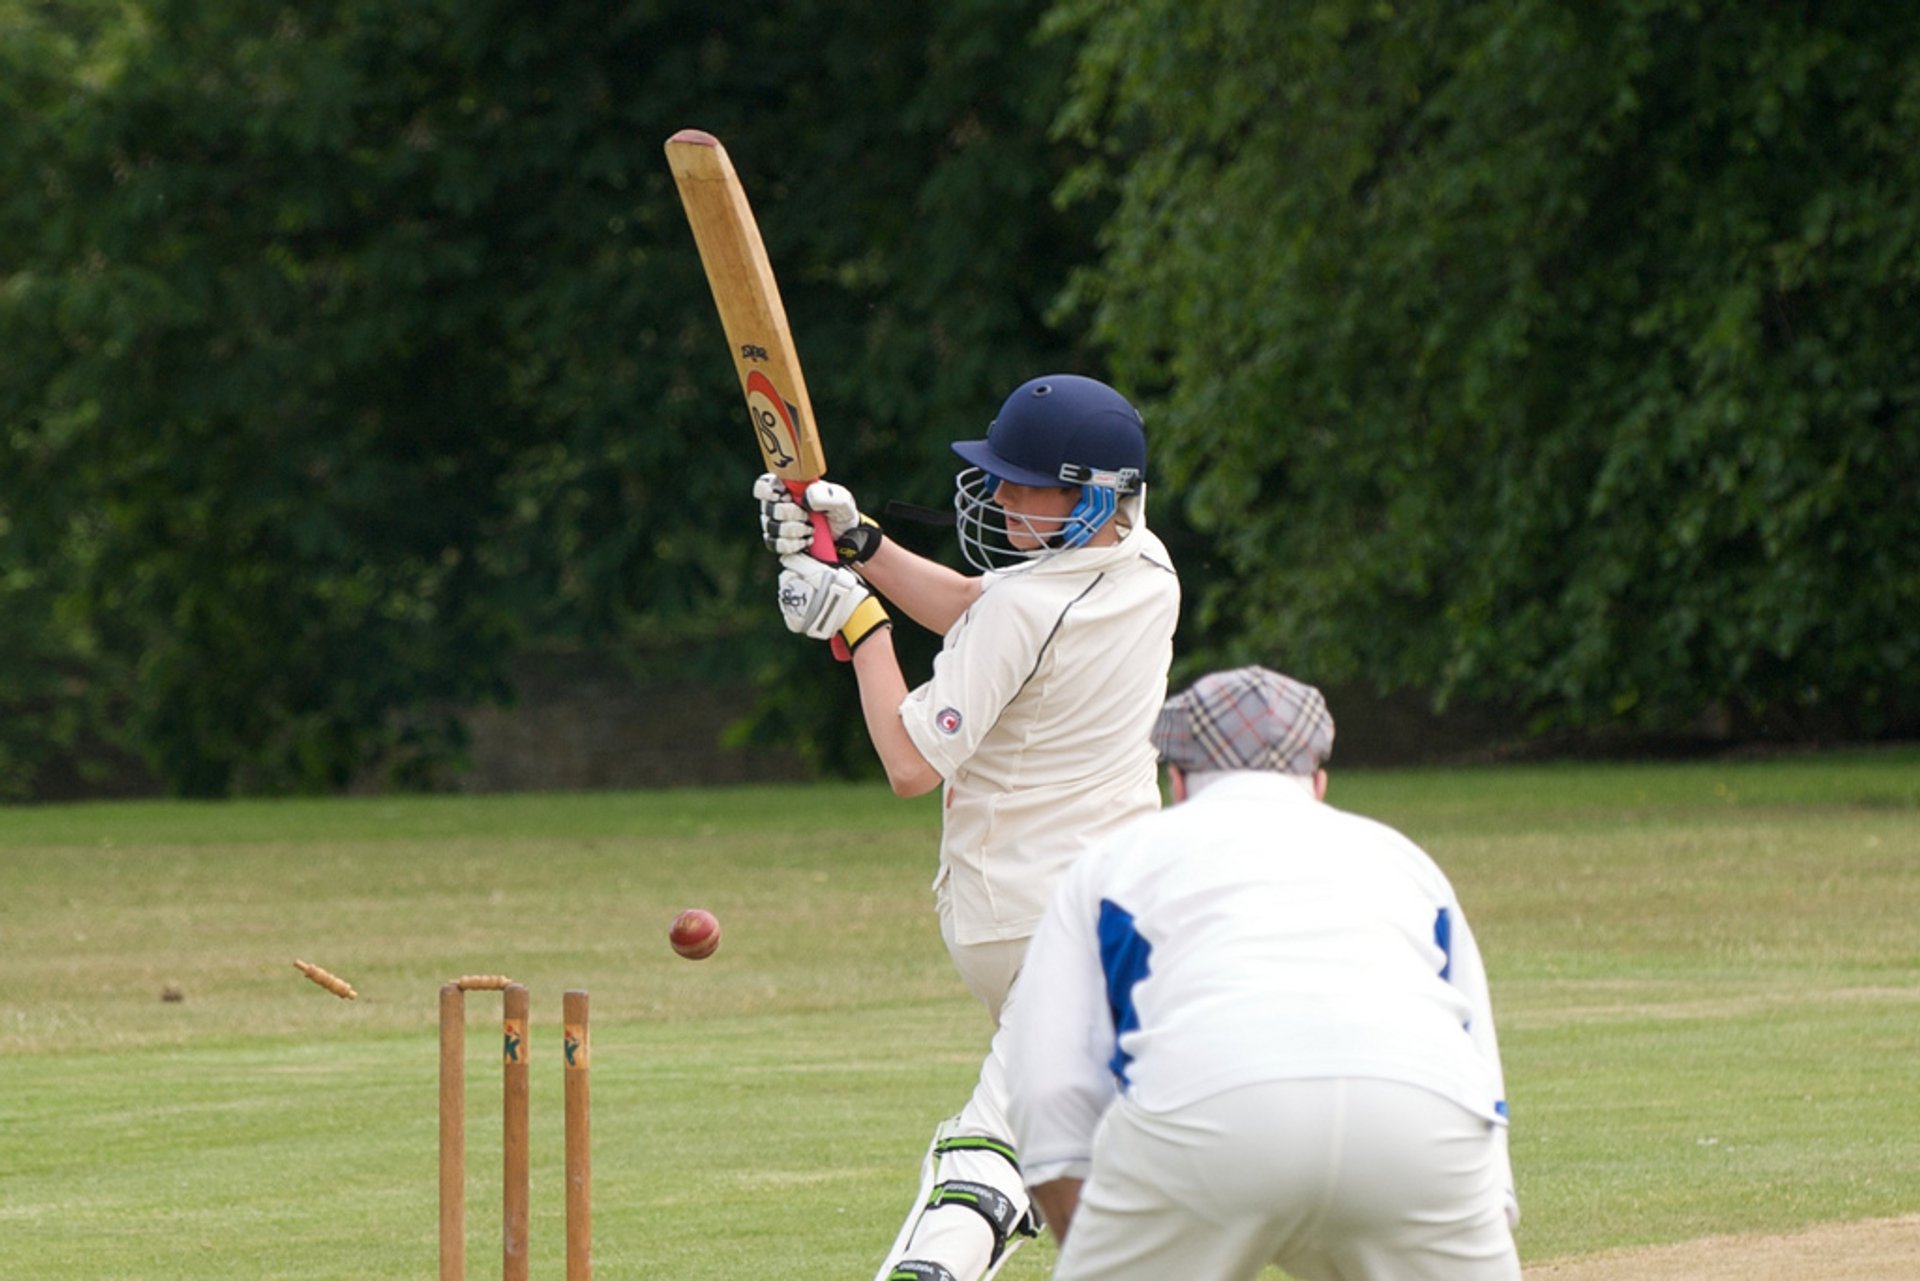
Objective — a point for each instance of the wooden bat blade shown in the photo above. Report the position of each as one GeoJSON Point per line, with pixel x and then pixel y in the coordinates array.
{"type": "Point", "coordinates": [748, 299]}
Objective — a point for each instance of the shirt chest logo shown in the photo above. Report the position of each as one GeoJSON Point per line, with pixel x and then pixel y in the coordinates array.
{"type": "Point", "coordinates": [947, 720]}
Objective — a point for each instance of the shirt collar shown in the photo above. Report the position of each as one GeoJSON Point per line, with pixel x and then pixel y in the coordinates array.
{"type": "Point", "coordinates": [1242, 784]}
{"type": "Point", "coordinates": [1082, 560]}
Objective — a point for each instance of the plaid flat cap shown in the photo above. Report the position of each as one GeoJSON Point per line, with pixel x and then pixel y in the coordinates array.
{"type": "Point", "coordinates": [1247, 718]}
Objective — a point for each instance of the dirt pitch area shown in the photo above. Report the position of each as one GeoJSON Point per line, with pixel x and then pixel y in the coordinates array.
{"type": "Point", "coordinates": [1876, 1250]}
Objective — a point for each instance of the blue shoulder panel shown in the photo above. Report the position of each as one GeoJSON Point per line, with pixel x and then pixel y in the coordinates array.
{"type": "Point", "coordinates": [1124, 957]}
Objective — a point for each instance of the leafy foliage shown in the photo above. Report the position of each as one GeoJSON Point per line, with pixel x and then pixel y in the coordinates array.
{"type": "Point", "coordinates": [1533, 354]}
{"type": "Point", "coordinates": [369, 345]}
{"type": "Point", "coordinates": [1528, 355]}
{"type": "Point", "coordinates": [46, 696]}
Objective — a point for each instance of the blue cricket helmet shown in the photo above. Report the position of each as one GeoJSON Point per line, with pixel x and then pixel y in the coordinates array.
{"type": "Point", "coordinates": [1063, 430]}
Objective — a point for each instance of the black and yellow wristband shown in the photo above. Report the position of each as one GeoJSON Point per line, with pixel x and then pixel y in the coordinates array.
{"type": "Point", "coordinates": [857, 545]}
{"type": "Point", "coordinates": [868, 617]}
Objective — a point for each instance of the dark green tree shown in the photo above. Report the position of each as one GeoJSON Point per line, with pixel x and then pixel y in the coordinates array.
{"type": "Point", "coordinates": [48, 694]}
{"type": "Point", "coordinates": [1553, 356]}
{"type": "Point", "coordinates": [366, 345]}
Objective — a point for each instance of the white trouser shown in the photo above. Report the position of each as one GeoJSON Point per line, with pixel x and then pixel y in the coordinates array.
{"type": "Point", "coordinates": [988, 969]}
{"type": "Point", "coordinates": [1333, 1180]}
{"type": "Point", "coordinates": [959, 1239]}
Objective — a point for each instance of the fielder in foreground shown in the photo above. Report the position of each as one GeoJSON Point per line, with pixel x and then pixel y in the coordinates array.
{"type": "Point", "coordinates": [1035, 720]}
{"type": "Point", "coordinates": [1255, 1029]}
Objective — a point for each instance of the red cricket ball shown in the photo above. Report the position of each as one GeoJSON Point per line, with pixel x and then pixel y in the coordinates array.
{"type": "Point", "coordinates": [695, 934]}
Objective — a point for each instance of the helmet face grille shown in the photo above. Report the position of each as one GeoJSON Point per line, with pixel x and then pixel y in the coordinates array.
{"type": "Point", "coordinates": [987, 530]}
{"type": "Point", "coordinates": [985, 541]}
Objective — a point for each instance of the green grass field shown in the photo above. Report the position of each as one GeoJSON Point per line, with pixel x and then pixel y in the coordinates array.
{"type": "Point", "coordinates": [1707, 976]}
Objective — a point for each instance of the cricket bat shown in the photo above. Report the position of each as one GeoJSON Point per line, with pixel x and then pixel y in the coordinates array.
{"type": "Point", "coordinates": [748, 299]}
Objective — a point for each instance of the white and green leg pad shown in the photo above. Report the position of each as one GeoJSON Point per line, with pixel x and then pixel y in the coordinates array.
{"type": "Point", "coordinates": [972, 1212]}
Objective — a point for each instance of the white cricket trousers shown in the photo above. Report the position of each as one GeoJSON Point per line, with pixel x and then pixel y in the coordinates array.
{"type": "Point", "coordinates": [1343, 1179]}
{"type": "Point", "coordinates": [955, 1237]}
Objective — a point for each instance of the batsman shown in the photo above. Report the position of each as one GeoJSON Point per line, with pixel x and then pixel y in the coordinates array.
{"type": "Point", "coordinates": [1035, 722]}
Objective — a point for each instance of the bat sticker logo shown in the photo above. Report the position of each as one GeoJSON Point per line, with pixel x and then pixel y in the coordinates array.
{"type": "Point", "coordinates": [752, 351]}
{"type": "Point", "coordinates": [773, 420]}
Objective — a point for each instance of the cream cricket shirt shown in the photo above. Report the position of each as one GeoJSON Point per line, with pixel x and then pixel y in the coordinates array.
{"type": "Point", "coordinates": [1037, 717]}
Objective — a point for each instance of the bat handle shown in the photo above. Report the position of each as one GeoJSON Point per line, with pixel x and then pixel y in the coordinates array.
{"type": "Point", "coordinates": [821, 550]}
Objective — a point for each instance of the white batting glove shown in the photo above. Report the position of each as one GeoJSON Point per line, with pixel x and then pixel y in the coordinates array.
{"type": "Point", "coordinates": [824, 601]}
{"type": "Point", "coordinates": [835, 502]}
{"type": "Point", "coordinates": [784, 526]}
{"type": "Point", "coordinates": [856, 535]}
{"type": "Point", "coordinates": [786, 530]}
